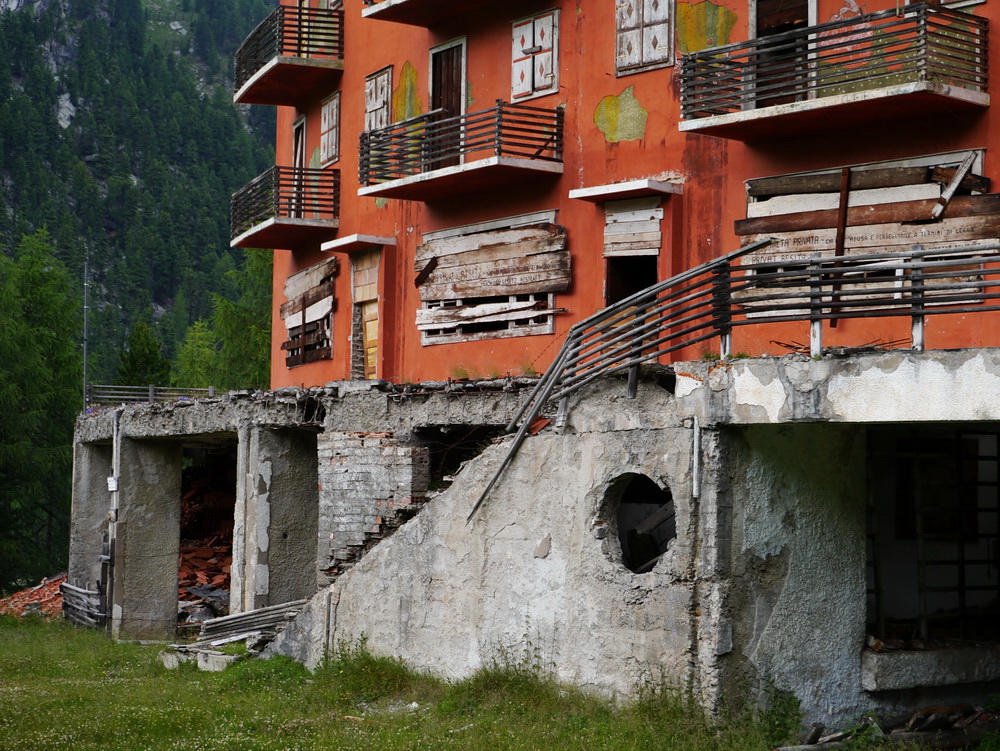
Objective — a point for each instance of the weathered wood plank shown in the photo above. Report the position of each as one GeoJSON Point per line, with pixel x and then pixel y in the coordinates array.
{"type": "Point", "coordinates": [803, 202]}
{"type": "Point", "coordinates": [861, 179]}
{"type": "Point", "coordinates": [307, 299]}
{"type": "Point", "coordinates": [802, 246]}
{"type": "Point", "coordinates": [910, 211]}
{"type": "Point", "coordinates": [499, 253]}
{"type": "Point", "coordinates": [300, 282]}
{"type": "Point", "coordinates": [479, 240]}
{"type": "Point", "coordinates": [551, 280]}
{"type": "Point", "coordinates": [631, 249]}
{"type": "Point", "coordinates": [434, 318]}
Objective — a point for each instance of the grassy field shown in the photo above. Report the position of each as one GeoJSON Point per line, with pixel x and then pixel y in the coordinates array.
{"type": "Point", "coordinates": [65, 688]}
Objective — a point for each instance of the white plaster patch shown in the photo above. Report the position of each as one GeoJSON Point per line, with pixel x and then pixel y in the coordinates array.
{"type": "Point", "coordinates": [749, 391]}
{"type": "Point", "coordinates": [918, 389]}
{"type": "Point", "coordinates": [686, 385]}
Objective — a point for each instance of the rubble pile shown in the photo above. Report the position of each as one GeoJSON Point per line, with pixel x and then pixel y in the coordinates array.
{"type": "Point", "coordinates": [45, 599]}
{"type": "Point", "coordinates": [958, 726]}
{"type": "Point", "coordinates": [203, 579]}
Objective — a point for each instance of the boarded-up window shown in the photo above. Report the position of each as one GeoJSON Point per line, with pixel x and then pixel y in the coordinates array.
{"type": "Point", "coordinates": [308, 314]}
{"type": "Point", "coordinates": [378, 98]}
{"type": "Point", "coordinates": [365, 319]}
{"type": "Point", "coordinates": [632, 228]}
{"type": "Point", "coordinates": [932, 203]}
{"type": "Point", "coordinates": [535, 56]}
{"type": "Point", "coordinates": [329, 132]}
{"type": "Point", "coordinates": [491, 284]}
{"type": "Point", "coordinates": [645, 34]}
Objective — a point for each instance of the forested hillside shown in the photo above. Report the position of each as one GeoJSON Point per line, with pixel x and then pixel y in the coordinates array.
{"type": "Point", "coordinates": [119, 149]}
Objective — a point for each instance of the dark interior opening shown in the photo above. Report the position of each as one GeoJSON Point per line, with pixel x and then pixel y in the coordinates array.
{"type": "Point", "coordinates": [645, 521]}
{"type": "Point", "coordinates": [627, 275]}
{"type": "Point", "coordinates": [452, 445]}
{"type": "Point", "coordinates": [933, 543]}
{"type": "Point", "coordinates": [208, 502]}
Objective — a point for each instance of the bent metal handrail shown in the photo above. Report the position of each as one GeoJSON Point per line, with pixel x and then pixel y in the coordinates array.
{"type": "Point", "coordinates": [734, 290]}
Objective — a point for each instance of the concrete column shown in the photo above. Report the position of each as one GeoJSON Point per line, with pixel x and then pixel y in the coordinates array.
{"type": "Point", "coordinates": [148, 540]}
{"type": "Point", "coordinates": [91, 504]}
{"type": "Point", "coordinates": [280, 518]}
{"type": "Point", "coordinates": [293, 497]}
{"type": "Point", "coordinates": [240, 599]}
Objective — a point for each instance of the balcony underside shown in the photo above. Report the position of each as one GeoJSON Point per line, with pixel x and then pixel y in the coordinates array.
{"type": "Point", "coordinates": [425, 13]}
{"type": "Point", "coordinates": [843, 111]}
{"type": "Point", "coordinates": [282, 232]}
{"type": "Point", "coordinates": [290, 80]}
{"type": "Point", "coordinates": [482, 174]}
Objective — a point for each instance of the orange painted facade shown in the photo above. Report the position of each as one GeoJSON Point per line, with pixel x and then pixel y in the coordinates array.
{"type": "Point", "coordinates": [618, 127]}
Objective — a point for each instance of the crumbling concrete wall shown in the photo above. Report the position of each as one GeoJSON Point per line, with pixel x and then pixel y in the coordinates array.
{"type": "Point", "coordinates": [536, 575]}
{"type": "Point", "coordinates": [89, 516]}
{"type": "Point", "coordinates": [364, 477]}
{"type": "Point", "coordinates": [796, 591]}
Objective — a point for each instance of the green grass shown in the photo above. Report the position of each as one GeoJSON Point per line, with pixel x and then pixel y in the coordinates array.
{"type": "Point", "coordinates": [66, 688]}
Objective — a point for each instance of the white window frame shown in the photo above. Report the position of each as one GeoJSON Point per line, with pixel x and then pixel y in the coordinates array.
{"type": "Point", "coordinates": [329, 130]}
{"type": "Point", "coordinates": [372, 91]}
{"type": "Point", "coordinates": [650, 57]}
{"type": "Point", "coordinates": [531, 60]}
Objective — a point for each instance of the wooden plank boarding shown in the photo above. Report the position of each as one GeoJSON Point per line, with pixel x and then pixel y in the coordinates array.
{"type": "Point", "coordinates": [803, 202]}
{"type": "Point", "coordinates": [909, 211]}
{"type": "Point", "coordinates": [524, 260]}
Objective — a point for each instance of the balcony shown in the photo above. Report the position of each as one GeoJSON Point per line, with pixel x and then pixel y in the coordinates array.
{"type": "Point", "coordinates": [879, 66]}
{"type": "Point", "coordinates": [433, 156]}
{"type": "Point", "coordinates": [426, 13]}
{"type": "Point", "coordinates": [286, 207]}
{"type": "Point", "coordinates": [290, 57]}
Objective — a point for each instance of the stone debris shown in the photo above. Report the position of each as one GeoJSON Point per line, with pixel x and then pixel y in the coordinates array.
{"type": "Point", "coordinates": [44, 599]}
{"type": "Point", "coordinates": [958, 726]}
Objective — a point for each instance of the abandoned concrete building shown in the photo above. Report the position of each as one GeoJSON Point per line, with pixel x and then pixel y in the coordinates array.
{"type": "Point", "coordinates": [760, 280]}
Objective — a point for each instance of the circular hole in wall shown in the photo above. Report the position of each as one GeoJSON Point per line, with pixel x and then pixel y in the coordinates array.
{"type": "Point", "coordinates": [644, 518]}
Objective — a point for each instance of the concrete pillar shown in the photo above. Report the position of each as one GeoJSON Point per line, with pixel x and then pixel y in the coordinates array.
{"type": "Point", "coordinates": [279, 518]}
{"type": "Point", "coordinates": [148, 540]}
{"type": "Point", "coordinates": [293, 496]}
{"type": "Point", "coordinates": [89, 520]}
{"type": "Point", "coordinates": [240, 600]}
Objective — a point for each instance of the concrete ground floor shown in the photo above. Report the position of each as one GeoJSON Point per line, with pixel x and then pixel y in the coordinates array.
{"type": "Point", "coordinates": [826, 527]}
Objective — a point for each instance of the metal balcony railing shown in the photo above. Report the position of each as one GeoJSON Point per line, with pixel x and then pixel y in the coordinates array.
{"type": "Point", "coordinates": [435, 141]}
{"type": "Point", "coordinates": [918, 44]}
{"type": "Point", "coordinates": [286, 193]}
{"type": "Point", "coordinates": [291, 32]}
{"type": "Point", "coordinates": [710, 300]}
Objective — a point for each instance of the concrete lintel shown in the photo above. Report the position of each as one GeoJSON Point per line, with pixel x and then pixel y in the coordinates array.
{"type": "Point", "coordinates": [641, 188]}
{"type": "Point", "coordinates": [891, 671]}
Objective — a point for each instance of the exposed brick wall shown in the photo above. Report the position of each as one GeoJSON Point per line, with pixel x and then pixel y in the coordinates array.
{"type": "Point", "coordinates": [367, 481]}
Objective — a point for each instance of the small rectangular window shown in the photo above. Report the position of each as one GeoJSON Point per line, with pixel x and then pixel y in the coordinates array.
{"type": "Point", "coordinates": [378, 99]}
{"type": "Point", "coordinates": [644, 34]}
{"type": "Point", "coordinates": [329, 131]}
{"type": "Point", "coordinates": [535, 56]}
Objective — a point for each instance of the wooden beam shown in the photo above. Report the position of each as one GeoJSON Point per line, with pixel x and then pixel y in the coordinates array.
{"type": "Point", "coordinates": [906, 211]}
{"type": "Point", "coordinates": [829, 182]}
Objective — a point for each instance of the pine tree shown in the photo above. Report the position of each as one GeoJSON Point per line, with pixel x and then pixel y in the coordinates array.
{"type": "Point", "coordinates": [142, 361]}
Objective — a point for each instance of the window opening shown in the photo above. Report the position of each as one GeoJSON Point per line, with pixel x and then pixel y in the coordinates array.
{"type": "Point", "coordinates": [365, 320]}
{"type": "Point", "coordinates": [447, 98]}
{"type": "Point", "coordinates": [450, 446]}
{"type": "Point", "coordinates": [378, 90]}
{"type": "Point", "coordinates": [644, 34]}
{"type": "Point", "coordinates": [329, 133]}
{"type": "Point", "coordinates": [933, 546]}
{"type": "Point", "coordinates": [298, 163]}
{"type": "Point", "coordinates": [535, 56]}
{"type": "Point", "coordinates": [627, 275]}
{"type": "Point", "coordinates": [533, 313]}
{"type": "Point", "coordinates": [643, 520]}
